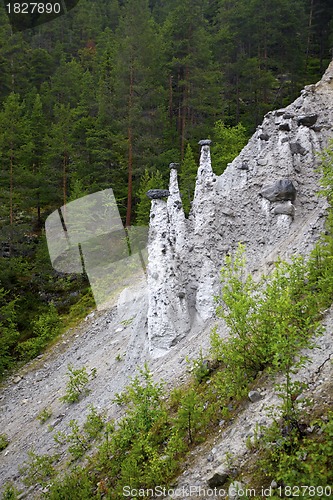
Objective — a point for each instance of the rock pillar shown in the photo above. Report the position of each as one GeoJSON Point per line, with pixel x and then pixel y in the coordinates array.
{"type": "Point", "coordinates": [168, 314]}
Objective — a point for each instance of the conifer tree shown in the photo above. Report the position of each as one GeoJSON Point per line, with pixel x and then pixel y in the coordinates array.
{"type": "Point", "coordinates": [193, 80]}
{"type": "Point", "coordinates": [187, 175]}
{"type": "Point", "coordinates": [137, 93]}
{"type": "Point", "coordinates": [14, 151]}
{"type": "Point", "coordinates": [148, 181]}
{"type": "Point", "coordinates": [228, 143]}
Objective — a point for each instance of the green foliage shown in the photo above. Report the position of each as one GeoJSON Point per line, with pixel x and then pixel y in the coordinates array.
{"type": "Point", "coordinates": [9, 332]}
{"type": "Point", "coordinates": [200, 367]}
{"type": "Point", "coordinates": [228, 143]}
{"type": "Point", "coordinates": [44, 415]}
{"type": "Point", "coordinates": [45, 328]}
{"type": "Point", "coordinates": [10, 492]}
{"type": "Point", "coordinates": [189, 419]}
{"type": "Point", "coordinates": [39, 469]}
{"type": "Point", "coordinates": [187, 177]}
{"type": "Point", "coordinates": [81, 308]}
{"type": "Point", "coordinates": [143, 401]}
{"type": "Point", "coordinates": [76, 385]}
{"type": "Point", "coordinates": [148, 181]}
{"type": "Point", "coordinates": [77, 484]}
{"type": "Point", "coordinates": [293, 458]}
{"type": "Point", "coordinates": [4, 441]}
{"type": "Point", "coordinates": [269, 321]}
{"type": "Point", "coordinates": [79, 439]}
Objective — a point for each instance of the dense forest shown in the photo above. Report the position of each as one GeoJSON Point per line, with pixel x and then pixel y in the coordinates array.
{"type": "Point", "coordinates": [111, 93]}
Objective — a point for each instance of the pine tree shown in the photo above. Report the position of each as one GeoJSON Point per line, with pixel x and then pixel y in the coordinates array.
{"type": "Point", "coordinates": [60, 149]}
{"type": "Point", "coordinates": [187, 175]}
{"type": "Point", "coordinates": [193, 79]}
{"type": "Point", "coordinates": [137, 96]}
{"type": "Point", "coordinates": [38, 174]}
{"type": "Point", "coordinates": [228, 143]}
{"type": "Point", "coordinates": [14, 151]}
{"type": "Point", "coordinates": [148, 181]}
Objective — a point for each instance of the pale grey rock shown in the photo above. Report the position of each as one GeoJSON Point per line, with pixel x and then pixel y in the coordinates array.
{"type": "Point", "coordinates": [168, 312]}
{"type": "Point", "coordinates": [262, 162]}
{"type": "Point", "coordinates": [284, 209]}
{"type": "Point", "coordinates": [254, 396]}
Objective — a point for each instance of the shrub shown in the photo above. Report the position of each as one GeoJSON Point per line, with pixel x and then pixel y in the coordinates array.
{"type": "Point", "coordinates": [9, 333]}
{"type": "Point", "coordinates": [39, 469]}
{"type": "Point", "coordinates": [80, 440]}
{"type": "Point", "coordinates": [4, 441]}
{"type": "Point", "coordinates": [44, 415]}
{"type": "Point", "coordinates": [10, 492]}
{"type": "Point", "coordinates": [76, 385]}
{"type": "Point", "coordinates": [45, 328]}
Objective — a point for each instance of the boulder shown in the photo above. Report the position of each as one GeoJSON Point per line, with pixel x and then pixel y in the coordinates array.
{"type": "Point", "coordinates": [244, 165]}
{"type": "Point", "coordinates": [205, 142]}
{"type": "Point", "coordinates": [284, 126]}
{"type": "Point", "coordinates": [156, 194]}
{"type": "Point", "coordinates": [254, 396]}
{"type": "Point", "coordinates": [281, 190]}
{"type": "Point", "coordinates": [218, 478]}
{"type": "Point", "coordinates": [307, 120]}
{"type": "Point", "coordinates": [297, 148]}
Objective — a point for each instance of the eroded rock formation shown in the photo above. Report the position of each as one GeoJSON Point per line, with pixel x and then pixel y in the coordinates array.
{"type": "Point", "coordinates": [267, 199]}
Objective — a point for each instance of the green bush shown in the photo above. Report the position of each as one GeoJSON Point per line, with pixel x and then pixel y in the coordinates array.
{"type": "Point", "coordinates": [44, 415]}
{"type": "Point", "coordinates": [77, 384]}
{"type": "Point", "coordinates": [71, 486]}
{"type": "Point", "coordinates": [81, 440]}
{"type": "Point", "coordinates": [39, 469]}
{"type": "Point", "coordinates": [44, 328]}
{"type": "Point", "coordinates": [4, 441]}
{"type": "Point", "coordinates": [268, 321]}
{"type": "Point", "coordinates": [9, 332]}
{"type": "Point", "coordinates": [10, 492]}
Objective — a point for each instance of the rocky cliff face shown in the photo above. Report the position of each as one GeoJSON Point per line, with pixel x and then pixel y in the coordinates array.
{"type": "Point", "coordinates": [266, 199]}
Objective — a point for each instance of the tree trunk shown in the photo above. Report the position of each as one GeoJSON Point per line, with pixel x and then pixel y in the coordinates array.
{"type": "Point", "coordinates": [64, 183]}
{"type": "Point", "coordinates": [130, 151]}
{"type": "Point", "coordinates": [308, 42]}
{"type": "Point", "coordinates": [11, 218]}
{"type": "Point", "coordinates": [170, 99]}
{"type": "Point", "coordinates": [185, 112]}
